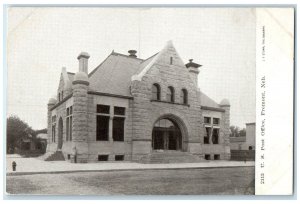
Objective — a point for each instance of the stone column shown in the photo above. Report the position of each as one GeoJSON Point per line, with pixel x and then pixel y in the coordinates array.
{"type": "Point", "coordinates": [80, 118]}
{"type": "Point", "coordinates": [226, 129]}
{"type": "Point", "coordinates": [110, 129]}
{"type": "Point", "coordinates": [141, 129]}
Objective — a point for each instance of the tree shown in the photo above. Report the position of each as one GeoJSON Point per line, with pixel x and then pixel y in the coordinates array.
{"type": "Point", "coordinates": [242, 132]}
{"type": "Point", "coordinates": [234, 131]}
{"type": "Point", "coordinates": [237, 132]}
{"type": "Point", "coordinates": [16, 129]}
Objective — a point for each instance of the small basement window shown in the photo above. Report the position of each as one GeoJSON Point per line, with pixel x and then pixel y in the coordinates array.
{"type": "Point", "coordinates": [119, 157]}
{"type": "Point", "coordinates": [216, 157]}
{"type": "Point", "coordinates": [207, 157]}
{"type": "Point", "coordinates": [69, 156]}
{"type": "Point", "coordinates": [102, 157]}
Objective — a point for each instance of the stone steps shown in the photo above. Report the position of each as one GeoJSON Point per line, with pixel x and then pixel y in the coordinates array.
{"type": "Point", "coordinates": [171, 157]}
{"type": "Point", "coordinates": [56, 156]}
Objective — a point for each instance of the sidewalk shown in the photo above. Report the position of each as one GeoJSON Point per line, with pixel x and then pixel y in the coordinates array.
{"type": "Point", "coordinates": [35, 166]}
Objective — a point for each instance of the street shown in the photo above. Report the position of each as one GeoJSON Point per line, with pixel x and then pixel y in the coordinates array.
{"type": "Point", "coordinates": [209, 181]}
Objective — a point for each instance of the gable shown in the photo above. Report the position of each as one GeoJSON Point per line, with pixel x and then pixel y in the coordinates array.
{"type": "Point", "coordinates": [163, 58]}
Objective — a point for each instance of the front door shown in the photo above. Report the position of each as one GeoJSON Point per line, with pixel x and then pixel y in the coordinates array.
{"type": "Point", "coordinates": [166, 135]}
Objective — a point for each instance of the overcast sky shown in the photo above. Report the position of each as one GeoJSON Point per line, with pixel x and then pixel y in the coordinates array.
{"type": "Point", "coordinates": [42, 40]}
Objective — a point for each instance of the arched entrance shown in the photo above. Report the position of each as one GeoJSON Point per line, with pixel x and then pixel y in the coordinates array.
{"type": "Point", "coordinates": [60, 134]}
{"type": "Point", "coordinates": [166, 135]}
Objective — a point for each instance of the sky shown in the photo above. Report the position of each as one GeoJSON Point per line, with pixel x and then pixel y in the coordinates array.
{"type": "Point", "coordinates": [40, 41]}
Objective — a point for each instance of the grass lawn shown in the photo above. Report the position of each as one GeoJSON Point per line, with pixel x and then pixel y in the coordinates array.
{"type": "Point", "coordinates": [227, 181]}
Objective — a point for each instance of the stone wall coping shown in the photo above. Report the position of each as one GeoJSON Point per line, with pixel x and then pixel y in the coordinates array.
{"type": "Point", "coordinates": [188, 105]}
{"type": "Point", "coordinates": [212, 108]}
{"type": "Point", "coordinates": [109, 94]}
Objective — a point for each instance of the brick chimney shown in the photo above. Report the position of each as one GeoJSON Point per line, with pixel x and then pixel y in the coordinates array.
{"type": "Point", "coordinates": [193, 70]}
{"type": "Point", "coordinates": [132, 53]}
{"type": "Point", "coordinates": [83, 62]}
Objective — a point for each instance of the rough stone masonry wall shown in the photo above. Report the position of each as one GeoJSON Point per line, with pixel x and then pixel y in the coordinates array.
{"type": "Point", "coordinates": [147, 112]}
{"type": "Point", "coordinates": [109, 147]}
{"type": "Point", "coordinates": [79, 125]}
{"type": "Point", "coordinates": [222, 147]}
{"type": "Point", "coordinates": [226, 131]}
{"type": "Point", "coordinates": [60, 112]}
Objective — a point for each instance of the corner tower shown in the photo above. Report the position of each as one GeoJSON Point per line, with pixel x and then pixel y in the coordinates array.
{"type": "Point", "coordinates": [80, 118]}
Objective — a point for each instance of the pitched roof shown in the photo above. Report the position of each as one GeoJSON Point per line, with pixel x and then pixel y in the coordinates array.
{"type": "Point", "coordinates": [113, 75]}
{"type": "Point", "coordinates": [206, 101]}
{"type": "Point", "coordinates": [71, 76]}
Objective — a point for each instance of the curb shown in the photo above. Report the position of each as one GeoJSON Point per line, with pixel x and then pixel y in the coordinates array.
{"type": "Point", "coordinates": [114, 170]}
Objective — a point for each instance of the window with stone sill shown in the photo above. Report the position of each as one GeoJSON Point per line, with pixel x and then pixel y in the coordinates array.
{"type": "Point", "coordinates": [118, 128]}
{"type": "Point", "coordinates": [155, 92]}
{"type": "Point", "coordinates": [184, 96]}
{"type": "Point", "coordinates": [207, 136]}
{"type": "Point", "coordinates": [102, 128]}
{"type": "Point", "coordinates": [69, 121]}
{"type": "Point", "coordinates": [215, 136]}
{"type": "Point", "coordinates": [53, 127]}
{"type": "Point", "coordinates": [170, 94]}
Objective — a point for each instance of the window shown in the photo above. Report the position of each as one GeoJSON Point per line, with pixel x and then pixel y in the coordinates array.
{"type": "Point", "coordinates": [103, 109]}
{"type": "Point", "coordinates": [102, 128]}
{"type": "Point", "coordinates": [215, 136]}
{"type": "Point", "coordinates": [69, 156]}
{"type": "Point", "coordinates": [119, 157]}
{"type": "Point", "coordinates": [118, 128]}
{"type": "Point", "coordinates": [119, 110]}
{"type": "Point", "coordinates": [207, 157]}
{"type": "Point", "coordinates": [250, 148]}
{"type": "Point", "coordinates": [184, 96]}
{"type": "Point", "coordinates": [62, 95]}
{"type": "Point", "coordinates": [207, 136]}
{"type": "Point", "coordinates": [216, 121]}
{"type": "Point", "coordinates": [69, 124]}
{"type": "Point", "coordinates": [216, 157]}
{"type": "Point", "coordinates": [53, 127]}
{"type": "Point", "coordinates": [102, 157]}
{"type": "Point", "coordinates": [207, 120]}
{"type": "Point", "coordinates": [170, 94]}
{"type": "Point", "coordinates": [156, 92]}
{"type": "Point", "coordinates": [58, 96]}
{"type": "Point", "coordinates": [171, 60]}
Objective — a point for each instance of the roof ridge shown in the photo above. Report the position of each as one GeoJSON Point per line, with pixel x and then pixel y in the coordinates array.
{"type": "Point", "coordinates": [117, 53]}
{"type": "Point", "coordinates": [94, 70]}
{"type": "Point", "coordinates": [149, 57]}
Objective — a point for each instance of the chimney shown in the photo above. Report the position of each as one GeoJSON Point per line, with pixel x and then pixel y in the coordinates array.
{"type": "Point", "coordinates": [193, 70]}
{"type": "Point", "coordinates": [132, 53]}
{"type": "Point", "coordinates": [83, 62]}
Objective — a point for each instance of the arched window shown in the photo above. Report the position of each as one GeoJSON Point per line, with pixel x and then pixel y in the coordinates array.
{"type": "Point", "coordinates": [184, 96]}
{"type": "Point", "coordinates": [155, 92]}
{"type": "Point", "coordinates": [170, 94]}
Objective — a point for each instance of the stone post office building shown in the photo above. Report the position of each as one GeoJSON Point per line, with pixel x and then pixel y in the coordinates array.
{"type": "Point", "coordinates": [133, 109]}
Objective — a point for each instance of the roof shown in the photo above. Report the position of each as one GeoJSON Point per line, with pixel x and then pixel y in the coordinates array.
{"type": "Point", "coordinates": [237, 139]}
{"type": "Point", "coordinates": [108, 78]}
{"type": "Point", "coordinates": [206, 101]}
{"type": "Point", "coordinates": [71, 76]}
